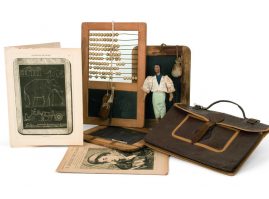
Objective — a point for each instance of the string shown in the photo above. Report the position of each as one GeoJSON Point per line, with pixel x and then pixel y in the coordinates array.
{"type": "Point", "coordinates": [111, 60]}
{"type": "Point", "coordinates": [112, 50]}
{"type": "Point", "coordinates": [109, 34]}
{"type": "Point", "coordinates": [110, 39]}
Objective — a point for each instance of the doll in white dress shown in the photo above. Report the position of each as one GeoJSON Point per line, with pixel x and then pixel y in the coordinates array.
{"type": "Point", "coordinates": [159, 85]}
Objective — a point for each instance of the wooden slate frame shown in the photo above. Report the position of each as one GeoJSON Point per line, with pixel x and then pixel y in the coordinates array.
{"type": "Point", "coordinates": [88, 137]}
{"type": "Point", "coordinates": [136, 86]}
{"type": "Point", "coordinates": [185, 53]}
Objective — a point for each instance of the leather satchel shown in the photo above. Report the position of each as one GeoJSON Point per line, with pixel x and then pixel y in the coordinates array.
{"type": "Point", "coordinates": [213, 139]}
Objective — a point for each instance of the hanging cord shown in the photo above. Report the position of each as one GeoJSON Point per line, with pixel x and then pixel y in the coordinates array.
{"type": "Point", "coordinates": [111, 66]}
{"type": "Point", "coordinates": [112, 53]}
{"type": "Point", "coordinates": [177, 51]}
{"type": "Point", "coordinates": [110, 83]}
{"type": "Point", "coordinates": [179, 57]}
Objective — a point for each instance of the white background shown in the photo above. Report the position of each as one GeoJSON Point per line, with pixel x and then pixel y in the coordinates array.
{"type": "Point", "coordinates": [229, 42]}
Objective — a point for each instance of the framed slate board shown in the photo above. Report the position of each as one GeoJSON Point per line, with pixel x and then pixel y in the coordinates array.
{"type": "Point", "coordinates": [128, 104]}
{"type": "Point", "coordinates": [165, 56]}
{"type": "Point", "coordinates": [43, 90]}
{"type": "Point", "coordinates": [124, 139]}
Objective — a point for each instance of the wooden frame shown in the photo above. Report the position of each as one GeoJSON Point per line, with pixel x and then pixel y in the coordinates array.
{"type": "Point", "coordinates": [135, 87]}
{"type": "Point", "coordinates": [185, 53]}
{"type": "Point", "coordinates": [88, 137]}
{"type": "Point", "coordinates": [38, 63]}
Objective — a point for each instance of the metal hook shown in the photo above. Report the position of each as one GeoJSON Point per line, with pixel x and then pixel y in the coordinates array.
{"type": "Point", "coordinates": [162, 47]}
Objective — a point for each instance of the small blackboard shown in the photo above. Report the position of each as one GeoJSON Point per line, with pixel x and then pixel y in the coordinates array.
{"type": "Point", "coordinates": [129, 136]}
{"type": "Point", "coordinates": [124, 104]}
{"type": "Point", "coordinates": [43, 96]}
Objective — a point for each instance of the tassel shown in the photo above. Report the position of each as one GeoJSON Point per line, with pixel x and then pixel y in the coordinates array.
{"type": "Point", "coordinates": [177, 68]}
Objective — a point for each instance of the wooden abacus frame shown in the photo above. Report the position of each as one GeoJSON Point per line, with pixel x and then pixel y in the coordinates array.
{"type": "Point", "coordinates": [134, 86]}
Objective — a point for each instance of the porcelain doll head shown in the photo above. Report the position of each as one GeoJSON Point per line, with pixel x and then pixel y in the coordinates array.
{"type": "Point", "coordinates": [157, 69]}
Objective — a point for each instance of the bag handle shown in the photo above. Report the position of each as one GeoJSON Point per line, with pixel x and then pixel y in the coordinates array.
{"type": "Point", "coordinates": [228, 101]}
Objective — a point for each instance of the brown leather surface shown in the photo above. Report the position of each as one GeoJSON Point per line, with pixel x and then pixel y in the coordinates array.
{"type": "Point", "coordinates": [201, 131]}
{"type": "Point", "coordinates": [228, 119]}
{"type": "Point", "coordinates": [236, 144]}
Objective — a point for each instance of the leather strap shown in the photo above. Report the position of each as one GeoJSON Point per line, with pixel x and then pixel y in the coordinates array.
{"type": "Point", "coordinates": [249, 120]}
{"type": "Point", "coordinates": [228, 101]}
{"type": "Point", "coordinates": [202, 130]}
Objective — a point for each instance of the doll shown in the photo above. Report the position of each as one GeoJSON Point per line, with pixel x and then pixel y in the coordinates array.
{"type": "Point", "coordinates": [159, 85]}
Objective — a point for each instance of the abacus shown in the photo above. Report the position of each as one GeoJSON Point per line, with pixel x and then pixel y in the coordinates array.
{"type": "Point", "coordinates": [113, 50]}
{"type": "Point", "coordinates": [114, 57]}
